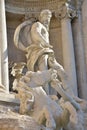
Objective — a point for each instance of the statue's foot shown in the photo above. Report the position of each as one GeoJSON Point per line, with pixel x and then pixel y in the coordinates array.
{"type": "Point", "coordinates": [82, 103]}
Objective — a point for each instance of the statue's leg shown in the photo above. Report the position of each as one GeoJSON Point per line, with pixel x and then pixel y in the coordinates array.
{"type": "Point", "coordinates": [72, 111]}
{"type": "Point", "coordinates": [80, 123]}
{"type": "Point", "coordinates": [46, 115]}
{"type": "Point", "coordinates": [56, 85]}
{"type": "Point", "coordinates": [61, 73]}
{"type": "Point", "coordinates": [25, 99]}
{"type": "Point", "coordinates": [42, 65]}
{"type": "Point", "coordinates": [23, 107]}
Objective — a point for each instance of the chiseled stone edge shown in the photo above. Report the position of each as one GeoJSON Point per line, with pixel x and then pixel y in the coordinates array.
{"type": "Point", "coordinates": [8, 98]}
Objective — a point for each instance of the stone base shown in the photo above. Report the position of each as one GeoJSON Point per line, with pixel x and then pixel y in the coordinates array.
{"type": "Point", "coordinates": [8, 99]}
{"type": "Point", "coordinates": [13, 121]}
{"type": "Point", "coordinates": [10, 119]}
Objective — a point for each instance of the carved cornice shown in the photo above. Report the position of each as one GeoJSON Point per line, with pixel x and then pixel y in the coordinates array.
{"type": "Point", "coordinates": [32, 6]}
{"type": "Point", "coordinates": [35, 6]}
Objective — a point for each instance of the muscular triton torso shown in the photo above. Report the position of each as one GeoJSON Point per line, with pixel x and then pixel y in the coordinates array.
{"type": "Point", "coordinates": [39, 34]}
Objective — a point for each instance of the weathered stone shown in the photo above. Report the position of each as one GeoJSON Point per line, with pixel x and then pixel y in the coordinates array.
{"type": "Point", "coordinates": [16, 9]}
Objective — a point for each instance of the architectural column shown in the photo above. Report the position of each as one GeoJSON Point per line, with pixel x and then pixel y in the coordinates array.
{"type": "Point", "coordinates": [67, 45]}
{"type": "Point", "coordinates": [3, 47]}
{"type": "Point", "coordinates": [79, 52]}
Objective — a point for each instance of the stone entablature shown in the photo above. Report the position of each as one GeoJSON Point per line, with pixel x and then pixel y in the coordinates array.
{"type": "Point", "coordinates": [34, 6]}
{"type": "Point", "coordinates": [38, 5]}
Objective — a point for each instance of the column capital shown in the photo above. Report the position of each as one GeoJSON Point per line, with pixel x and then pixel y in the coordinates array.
{"type": "Point", "coordinates": [65, 11]}
{"type": "Point", "coordinates": [79, 4]}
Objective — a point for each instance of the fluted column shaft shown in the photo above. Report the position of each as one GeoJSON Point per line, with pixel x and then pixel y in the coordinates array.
{"type": "Point", "coordinates": [79, 51]}
{"type": "Point", "coordinates": [68, 53]}
{"type": "Point", "coordinates": [67, 46]}
{"type": "Point", "coordinates": [3, 47]}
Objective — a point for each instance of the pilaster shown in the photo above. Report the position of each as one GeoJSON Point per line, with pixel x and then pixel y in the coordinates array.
{"type": "Point", "coordinates": [3, 47]}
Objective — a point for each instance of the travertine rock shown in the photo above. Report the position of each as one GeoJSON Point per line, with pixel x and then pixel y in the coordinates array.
{"type": "Point", "coordinates": [14, 121]}
{"type": "Point", "coordinates": [40, 106]}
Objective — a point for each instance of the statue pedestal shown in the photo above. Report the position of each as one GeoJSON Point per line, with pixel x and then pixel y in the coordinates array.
{"type": "Point", "coordinates": [10, 119]}
{"type": "Point", "coordinates": [10, 99]}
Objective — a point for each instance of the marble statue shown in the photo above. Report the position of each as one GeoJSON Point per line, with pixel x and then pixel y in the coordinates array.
{"type": "Point", "coordinates": [17, 69]}
{"type": "Point", "coordinates": [42, 75]}
{"type": "Point", "coordinates": [39, 52]}
{"type": "Point", "coordinates": [36, 103]}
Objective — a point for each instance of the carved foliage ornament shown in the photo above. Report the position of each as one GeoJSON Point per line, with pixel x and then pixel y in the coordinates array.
{"type": "Point", "coordinates": [65, 11]}
{"type": "Point", "coordinates": [79, 4]}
